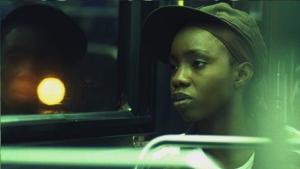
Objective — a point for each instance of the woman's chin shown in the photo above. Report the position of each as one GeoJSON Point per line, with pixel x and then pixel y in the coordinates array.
{"type": "Point", "coordinates": [192, 116]}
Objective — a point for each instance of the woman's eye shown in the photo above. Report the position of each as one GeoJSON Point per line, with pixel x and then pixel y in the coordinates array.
{"type": "Point", "coordinates": [199, 64]}
{"type": "Point", "coordinates": [173, 67]}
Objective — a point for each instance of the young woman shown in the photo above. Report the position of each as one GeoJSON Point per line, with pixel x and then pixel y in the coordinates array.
{"type": "Point", "coordinates": [217, 54]}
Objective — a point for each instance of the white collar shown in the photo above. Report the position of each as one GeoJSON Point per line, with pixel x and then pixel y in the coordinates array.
{"type": "Point", "coordinates": [197, 158]}
{"type": "Point", "coordinates": [249, 163]}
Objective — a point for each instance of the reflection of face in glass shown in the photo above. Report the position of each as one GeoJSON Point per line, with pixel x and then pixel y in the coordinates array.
{"type": "Point", "coordinates": [26, 51]}
{"type": "Point", "coordinates": [202, 79]}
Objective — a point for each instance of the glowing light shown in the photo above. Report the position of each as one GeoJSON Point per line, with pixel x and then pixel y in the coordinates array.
{"type": "Point", "coordinates": [180, 2]}
{"type": "Point", "coordinates": [51, 91]}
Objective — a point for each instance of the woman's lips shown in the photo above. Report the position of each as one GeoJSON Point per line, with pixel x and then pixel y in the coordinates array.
{"type": "Point", "coordinates": [181, 100]}
{"type": "Point", "coordinates": [182, 103]}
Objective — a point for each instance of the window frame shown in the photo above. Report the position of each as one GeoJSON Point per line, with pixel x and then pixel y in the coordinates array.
{"type": "Point", "coordinates": [20, 129]}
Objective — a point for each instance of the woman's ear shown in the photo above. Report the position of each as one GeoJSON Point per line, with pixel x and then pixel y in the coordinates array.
{"type": "Point", "coordinates": [243, 74]}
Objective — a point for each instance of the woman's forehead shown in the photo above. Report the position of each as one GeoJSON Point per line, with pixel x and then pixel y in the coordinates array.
{"type": "Point", "coordinates": [195, 40]}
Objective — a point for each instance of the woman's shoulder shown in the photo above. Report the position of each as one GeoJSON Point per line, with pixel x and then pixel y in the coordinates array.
{"type": "Point", "coordinates": [292, 133]}
{"type": "Point", "coordinates": [294, 157]}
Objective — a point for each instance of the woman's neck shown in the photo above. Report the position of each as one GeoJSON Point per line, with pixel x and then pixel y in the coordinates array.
{"type": "Point", "coordinates": [231, 120]}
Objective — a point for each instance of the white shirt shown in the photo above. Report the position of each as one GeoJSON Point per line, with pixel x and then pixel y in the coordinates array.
{"type": "Point", "coordinates": [200, 160]}
{"type": "Point", "coordinates": [197, 158]}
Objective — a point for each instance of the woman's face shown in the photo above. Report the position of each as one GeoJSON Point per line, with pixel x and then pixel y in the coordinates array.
{"type": "Point", "coordinates": [202, 78]}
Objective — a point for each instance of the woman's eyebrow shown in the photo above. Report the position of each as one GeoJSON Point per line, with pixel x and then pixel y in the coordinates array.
{"type": "Point", "coordinates": [172, 58]}
{"type": "Point", "coordinates": [197, 53]}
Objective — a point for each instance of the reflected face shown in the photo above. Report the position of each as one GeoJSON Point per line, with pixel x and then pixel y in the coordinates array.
{"type": "Point", "coordinates": [24, 52]}
{"type": "Point", "coordinates": [202, 78]}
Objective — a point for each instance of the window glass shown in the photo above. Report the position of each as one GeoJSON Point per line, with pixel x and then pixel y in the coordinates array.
{"type": "Point", "coordinates": [49, 65]}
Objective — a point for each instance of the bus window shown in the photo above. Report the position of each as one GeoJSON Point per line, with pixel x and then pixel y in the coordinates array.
{"type": "Point", "coordinates": [60, 57]}
{"type": "Point", "coordinates": [71, 66]}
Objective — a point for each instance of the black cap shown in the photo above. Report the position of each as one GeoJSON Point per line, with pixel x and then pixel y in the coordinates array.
{"type": "Point", "coordinates": [244, 40]}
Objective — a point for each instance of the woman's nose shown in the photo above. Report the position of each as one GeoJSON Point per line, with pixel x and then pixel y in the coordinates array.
{"type": "Point", "coordinates": [181, 78]}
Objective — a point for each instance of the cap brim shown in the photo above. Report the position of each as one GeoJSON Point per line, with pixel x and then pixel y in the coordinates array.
{"type": "Point", "coordinates": [162, 24]}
